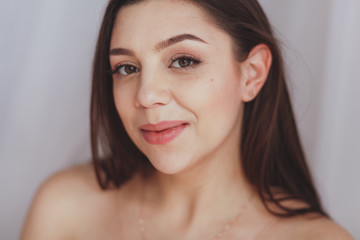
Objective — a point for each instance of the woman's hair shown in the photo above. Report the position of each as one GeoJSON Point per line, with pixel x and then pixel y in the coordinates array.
{"type": "Point", "coordinates": [271, 152]}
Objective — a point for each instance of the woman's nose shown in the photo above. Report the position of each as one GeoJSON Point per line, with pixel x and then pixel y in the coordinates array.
{"type": "Point", "coordinates": [153, 90]}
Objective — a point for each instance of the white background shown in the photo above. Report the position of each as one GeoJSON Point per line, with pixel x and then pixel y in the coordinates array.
{"type": "Point", "coordinates": [46, 50]}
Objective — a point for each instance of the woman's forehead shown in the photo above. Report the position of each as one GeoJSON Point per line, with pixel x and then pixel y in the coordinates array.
{"type": "Point", "coordinates": [156, 20]}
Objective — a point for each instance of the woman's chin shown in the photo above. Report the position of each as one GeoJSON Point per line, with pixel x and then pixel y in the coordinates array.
{"type": "Point", "coordinates": [170, 166]}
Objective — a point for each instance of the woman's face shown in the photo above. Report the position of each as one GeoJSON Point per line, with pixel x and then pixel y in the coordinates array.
{"type": "Point", "coordinates": [176, 83]}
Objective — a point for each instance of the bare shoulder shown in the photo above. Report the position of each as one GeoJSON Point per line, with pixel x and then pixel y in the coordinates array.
{"type": "Point", "coordinates": [324, 228]}
{"type": "Point", "coordinates": [309, 227]}
{"type": "Point", "coordinates": [59, 201]}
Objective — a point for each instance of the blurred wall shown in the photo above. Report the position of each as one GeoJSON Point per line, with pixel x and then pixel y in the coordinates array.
{"type": "Point", "coordinates": [46, 50]}
{"type": "Point", "coordinates": [321, 48]}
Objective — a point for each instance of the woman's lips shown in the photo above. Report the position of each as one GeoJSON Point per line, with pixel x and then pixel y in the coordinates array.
{"type": "Point", "coordinates": [162, 132]}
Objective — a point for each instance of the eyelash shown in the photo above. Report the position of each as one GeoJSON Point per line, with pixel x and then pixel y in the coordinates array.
{"type": "Point", "coordinates": [118, 69]}
{"type": "Point", "coordinates": [193, 63]}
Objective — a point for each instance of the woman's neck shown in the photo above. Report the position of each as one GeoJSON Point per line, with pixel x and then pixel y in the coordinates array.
{"type": "Point", "coordinates": [200, 193]}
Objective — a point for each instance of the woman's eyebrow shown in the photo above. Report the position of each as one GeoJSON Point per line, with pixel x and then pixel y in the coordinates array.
{"type": "Point", "coordinates": [178, 38]}
{"type": "Point", "coordinates": [121, 51]}
{"type": "Point", "coordinates": [161, 45]}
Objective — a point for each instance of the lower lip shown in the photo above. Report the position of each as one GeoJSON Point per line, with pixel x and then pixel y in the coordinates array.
{"type": "Point", "coordinates": [163, 137]}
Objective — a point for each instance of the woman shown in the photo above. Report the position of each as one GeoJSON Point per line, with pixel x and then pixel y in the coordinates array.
{"type": "Point", "coordinates": [192, 131]}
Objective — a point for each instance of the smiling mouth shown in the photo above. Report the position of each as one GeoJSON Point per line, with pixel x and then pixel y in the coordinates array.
{"type": "Point", "coordinates": [163, 132]}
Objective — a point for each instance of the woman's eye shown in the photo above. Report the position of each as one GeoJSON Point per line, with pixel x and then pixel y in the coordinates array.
{"type": "Point", "coordinates": [183, 62]}
{"type": "Point", "coordinates": [125, 69]}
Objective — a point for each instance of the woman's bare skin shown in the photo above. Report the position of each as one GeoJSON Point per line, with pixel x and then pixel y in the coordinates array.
{"type": "Point", "coordinates": [70, 205]}
{"type": "Point", "coordinates": [198, 186]}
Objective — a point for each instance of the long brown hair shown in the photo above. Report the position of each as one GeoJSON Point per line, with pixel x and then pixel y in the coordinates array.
{"type": "Point", "coordinates": [271, 151]}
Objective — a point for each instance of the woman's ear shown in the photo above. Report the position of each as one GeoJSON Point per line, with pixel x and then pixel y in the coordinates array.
{"type": "Point", "coordinates": [255, 70]}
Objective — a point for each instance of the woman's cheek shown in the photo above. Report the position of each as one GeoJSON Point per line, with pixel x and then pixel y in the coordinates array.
{"type": "Point", "coordinates": [124, 102]}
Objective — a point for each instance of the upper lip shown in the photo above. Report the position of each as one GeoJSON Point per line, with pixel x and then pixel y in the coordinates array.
{"type": "Point", "coordinates": [161, 126]}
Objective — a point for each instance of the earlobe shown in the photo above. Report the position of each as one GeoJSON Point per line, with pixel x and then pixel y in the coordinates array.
{"type": "Point", "coordinates": [255, 71]}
